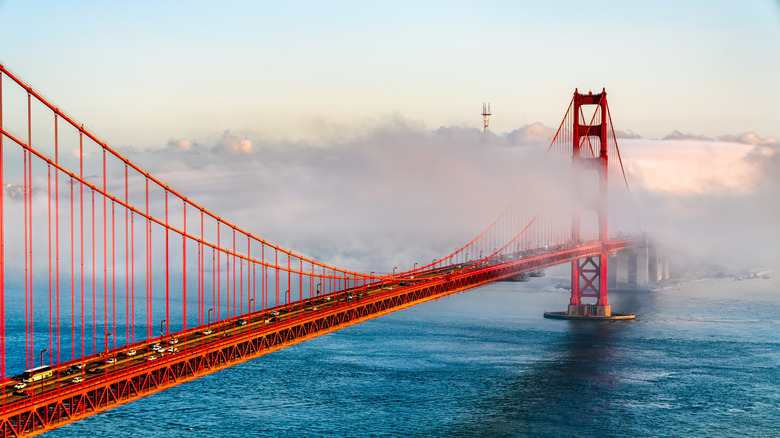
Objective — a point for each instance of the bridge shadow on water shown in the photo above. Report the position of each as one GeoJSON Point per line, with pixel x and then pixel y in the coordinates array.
{"type": "Point", "coordinates": [567, 393]}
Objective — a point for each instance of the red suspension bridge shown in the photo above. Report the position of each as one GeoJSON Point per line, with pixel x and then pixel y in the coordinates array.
{"type": "Point", "coordinates": [114, 286]}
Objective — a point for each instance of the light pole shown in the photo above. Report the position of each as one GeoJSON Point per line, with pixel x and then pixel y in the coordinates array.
{"type": "Point", "coordinates": [319, 286]}
{"type": "Point", "coordinates": [249, 317]}
{"type": "Point", "coordinates": [161, 328]}
{"type": "Point", "coordinates": [209, 321]}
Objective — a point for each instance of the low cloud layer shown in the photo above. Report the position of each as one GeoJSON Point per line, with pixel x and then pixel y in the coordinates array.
{"type": "Point", "coordinates": [400, 194]}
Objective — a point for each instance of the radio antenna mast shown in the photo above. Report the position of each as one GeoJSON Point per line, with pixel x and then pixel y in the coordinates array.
{"type": "Point", "coordinates": [486, 115]}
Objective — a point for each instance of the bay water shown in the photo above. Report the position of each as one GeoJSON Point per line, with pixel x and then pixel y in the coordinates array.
{"type": "Point", "coordinates": [702, 358]}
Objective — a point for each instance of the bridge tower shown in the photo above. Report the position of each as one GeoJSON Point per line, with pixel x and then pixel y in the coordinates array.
{"type": "Point", "coordinates": [590, 167]}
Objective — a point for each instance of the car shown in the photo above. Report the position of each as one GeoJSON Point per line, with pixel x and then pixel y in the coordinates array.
{"type": "Point", "coordinates": [131, 352]}
{"type": "Point", "coordinates": [155, 346]}
{"type": "Point", "coordinates": [315, 308]}
{"type": "Point", "coordinates": [160, 349]}
{"type": "Point", "coordinates": [20, 385]}
{"type": "Point", "coordinates": [350, 296]}
{"type": "Point", "coordinates": [173, 341]}
{"type": "Point", "coordinates": [308, 304]}
{"type": "Point", "coordinates": [326, 299]}
{"type": "Point", "coordinates": [241, 322]}
{"type": "Point", "coordinates": [271, 319]}
{"type": "Point", "coordinates": [77, 379]}
{"type": "Point", "coordinates": [68, 371]}
{"type": "Point", "coordinates": [110, 360]}
{"type": "Point", "coordinates": [173, 350]}
{"type": "Point", "coordinates": [97, 370]}
{"type": "Point", "coordinates": [206, 332]}
{"type": "Point", "coordinates": [79, 366]}
{"type": "Point", "coordinates": [275, 313]}
{"type": "Point", "coordinates": [152, 357]}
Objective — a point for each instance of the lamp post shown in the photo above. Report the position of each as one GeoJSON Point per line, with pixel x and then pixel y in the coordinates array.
{"type": "Point", "coordinates": [209, 320]}
{"type": "Point", "coordinates": [249, 317]}
{"type": "Point", "coordinates": [161, 327]}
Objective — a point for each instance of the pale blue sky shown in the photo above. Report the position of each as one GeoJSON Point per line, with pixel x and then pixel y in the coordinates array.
{"type": "Point", "coordinates": [141, 72]}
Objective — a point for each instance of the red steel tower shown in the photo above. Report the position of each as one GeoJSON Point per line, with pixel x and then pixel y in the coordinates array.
{"type": "Point", "coordinates": [589, 164]}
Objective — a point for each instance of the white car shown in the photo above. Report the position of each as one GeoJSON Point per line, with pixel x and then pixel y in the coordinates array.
{"type": "Point", "coordinates": [173, 350]}
{"type": "Point", "coordinates": [110, 360]}
{"type": "Point", "coordinates": [20, 385]}
{"type": "Point", "coordinates": [173, 341]}
{"type": "Point", "coordinates": [206, 332]}
{"type": "Point", "coordinates": [151, 357]}
{"type": "Point", "coordinates": [131, 352]}
{"type": "Point", "coordinates": [78, 379]}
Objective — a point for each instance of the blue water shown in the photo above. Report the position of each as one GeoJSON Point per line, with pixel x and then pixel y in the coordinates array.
{"type": "Point", "coordinates": [701, 359]}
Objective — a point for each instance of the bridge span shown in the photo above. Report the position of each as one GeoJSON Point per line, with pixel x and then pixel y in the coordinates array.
{"type": "Point", "coordinates": [105, 253]}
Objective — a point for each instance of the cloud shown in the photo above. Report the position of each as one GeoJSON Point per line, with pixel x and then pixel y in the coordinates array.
{"type": "Point", "coordinates": [533, 134]}
{"type": "Point", "coordinates": [709, 202]}
{"type": "Point", "coordinates": [677, 135]}
{"type": "Point", "coordinates": [398, 193]}
{"type": "Point", "coordinates": [180, 144]}
{"type": "Point", "coordinates": [234, 145]}
{"type": "Point", "coordinates": [750, 138]}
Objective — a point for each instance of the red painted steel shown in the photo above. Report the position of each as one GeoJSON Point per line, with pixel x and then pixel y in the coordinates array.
{"type": "Point", "coordinates": [524, 238]}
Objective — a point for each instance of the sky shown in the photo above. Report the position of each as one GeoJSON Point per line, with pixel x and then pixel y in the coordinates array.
{"type": "Point", "coordinates": [295, 100]}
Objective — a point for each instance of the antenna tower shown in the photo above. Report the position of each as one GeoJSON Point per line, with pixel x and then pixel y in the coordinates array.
{"type": "Point", "coordinates": [486, 115]}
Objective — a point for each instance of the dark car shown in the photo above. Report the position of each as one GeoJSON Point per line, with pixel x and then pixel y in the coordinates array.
{"type": "Point", "coordinates": [97, 370]}
{"type": "Point", "coordinates": [68, 371]}
{"type": "Point", "coordinates": [241, 322]}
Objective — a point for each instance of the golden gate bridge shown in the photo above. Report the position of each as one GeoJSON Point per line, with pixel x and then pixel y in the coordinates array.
{"type": "Point", "coordinates": [124, 287]}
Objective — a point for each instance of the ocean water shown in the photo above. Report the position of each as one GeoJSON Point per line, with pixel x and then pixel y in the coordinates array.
{"type": "Point", "coordinates": [701, 359]}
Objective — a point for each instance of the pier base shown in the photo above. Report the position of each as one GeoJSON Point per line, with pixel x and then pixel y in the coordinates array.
{"type": "Point", "coordinates": [589, 311]}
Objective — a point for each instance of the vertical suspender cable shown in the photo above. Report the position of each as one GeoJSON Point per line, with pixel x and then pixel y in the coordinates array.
{"type": "Point", "coordinates": [184, 268]}
{"type": "Point", "coordinates": [2, 243]}
{"type": "Point", "coordinates": [81, 232]}
{"type": "Point", "coordinates": [48, 196]}
{"type": "Point", "coordinates": [128, 322]}
{"type": "Point", "coordinates": [113, 274]}
{"type": "Point", "coordinates": [148, 250]}
{"type": "Point", "coordinates": [105, 257]}
{"type": "Point", "coordinates": [167, 270]}
{"type": "Point", "coordinates": [94, 283]}
{"type": "Point", "coordinates": [233, 256]}
{"type": "Point", "coordinates": [26, 278]}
